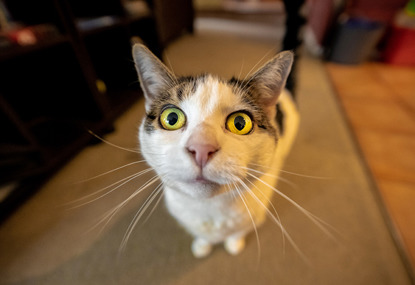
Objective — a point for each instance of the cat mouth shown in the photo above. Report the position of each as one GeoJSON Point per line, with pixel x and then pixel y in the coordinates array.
{"type": "Point", "coordinates": [201, 180]}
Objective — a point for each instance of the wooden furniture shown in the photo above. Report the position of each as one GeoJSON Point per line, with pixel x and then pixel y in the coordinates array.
{"type": "Point", "coordinates": [79, 77]}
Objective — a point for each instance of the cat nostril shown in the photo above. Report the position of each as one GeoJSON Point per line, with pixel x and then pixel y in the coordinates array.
{"type": "Point", "coordinates": [202, 153]}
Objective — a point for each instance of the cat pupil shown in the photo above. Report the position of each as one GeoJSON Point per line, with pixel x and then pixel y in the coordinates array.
{"type": "Point", "coordinates": [239, 123]}
{"type": "Point", "coordinates": [172, 119]}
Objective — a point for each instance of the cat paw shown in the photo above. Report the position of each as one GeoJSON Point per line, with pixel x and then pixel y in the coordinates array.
{"type": "Point", "coordinates": [201, 248]}
{"type": "Point", "coordinates": [234, 245]}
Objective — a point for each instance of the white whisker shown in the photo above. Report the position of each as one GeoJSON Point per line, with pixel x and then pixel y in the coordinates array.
{"type": "Point", "coordinates": [292, 173]}
{"type": "Point", "coordinates": [108, 216]}
{"type": "Point", "coordinates": [260, 172]}
{"type": "Point", "coordinates": [229, 186]}
{"type": "Point", "coordinates": [243, 198]}
{"type": "Point", "coordinates": [124, 181]}
{"type": "Point", "coordinates": [108, 172]}
{"type": "Point", "coordinates": [111, 144]}
{"type": "Point", "coordinates": [289, 183]}
{"type": "Point", "coordinates": [273, 176]}
{"type": "Point", "coordinates": [242, 67]}
{"type": "Point", "coordinates": [317, 221]}
{"type": "Point", "coordinates": [278, 222]}
{"type": "Point", "coordinates": [155, 205]}
{"type": "Point", "coordinates": [140, 213]}
{"type": "Point", "coordinates": [304, 175]}
{"type": "Point", "coordinates": [170, 65]}
{"type": "Point", "coordinates": [274, 217]}
{"type": "Point", "coordinates": [258, 62]}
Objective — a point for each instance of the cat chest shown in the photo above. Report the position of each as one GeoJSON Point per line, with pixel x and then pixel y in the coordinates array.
{"type": "Point", "coordinates": [206, 218]}
{"type": "Point", "coordinates": [219, 222]}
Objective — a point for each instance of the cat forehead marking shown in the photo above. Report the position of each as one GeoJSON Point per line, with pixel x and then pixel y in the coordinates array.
{"type": "Point", "coordinates": [210, 96]}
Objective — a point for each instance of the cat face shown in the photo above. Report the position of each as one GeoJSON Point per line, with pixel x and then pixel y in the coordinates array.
{"type": "Point", "coordinates": [201, 134]}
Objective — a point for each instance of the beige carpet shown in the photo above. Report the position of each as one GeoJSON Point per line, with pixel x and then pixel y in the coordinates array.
{"type": "Point", "coordinates": [49, 241]}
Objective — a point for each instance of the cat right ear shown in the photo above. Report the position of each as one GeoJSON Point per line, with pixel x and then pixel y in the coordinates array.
{"type": "Point", "coordinates": [154, 76]}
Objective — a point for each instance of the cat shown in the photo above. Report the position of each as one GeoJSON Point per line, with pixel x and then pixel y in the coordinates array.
{"type": "Point", "coordinates": [216, 146]}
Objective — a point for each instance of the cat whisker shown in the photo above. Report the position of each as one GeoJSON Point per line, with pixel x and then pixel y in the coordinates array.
{"type": "Point", "coordinates": [243, 198]}
{"type": "Point", "coordinates": [172, 76]}
{"type": "Point", "coordinates": [260, 172]}
{"type": "Point", "coordinates": [317, 221]}
{"type": "Point", "coordinates": [230, 190]}
{"type": "Point", "coordinates": [133, 83]}
{"type": "Point", "coordinates": [273, 176]}
{"type": "Point", "coordinates": [277, 220]}
{"type": "Point", "coordinates": [122, 181]}
{"type": "Point", "coordinates": [109, 215]}
{"type": "Point", "coordinates": [108, 172]}
{"type": "Point", "coordinates": [141, 212]}
{"type": "Point", "coordinates": [242, 67]}
{"type": "Point", "coordinates": [169, 63]}
{"type": "Point", "coordinates": [111, 144]}
{"type": "Point", "coordinates": [275, 217]}
{"type": "Point", "coordinates": [169, 83]}
{"type": "Point", "coordinates": [304, 175]}
{"type": "Point", "coordinates": [246, 82]}
{"type": "Point", "coordinates": [292, 173]}
{"type": "Point", "coordinates": [322, 222]}
{"type": "Point", "coordinates": [289, 183]}
{"type": "Point", "coordinates": [258, 62]}
{"type": "Point", "coordinates": [155, 205]}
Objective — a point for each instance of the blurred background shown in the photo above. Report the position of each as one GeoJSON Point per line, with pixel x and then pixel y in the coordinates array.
{"type": "Point", "coordinates": [66, 68]}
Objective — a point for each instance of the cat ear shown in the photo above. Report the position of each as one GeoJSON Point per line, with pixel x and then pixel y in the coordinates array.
{"type": "Point", "coordinates": [270, 79]}
{"type": "Point", "coordinates": [154, 76]}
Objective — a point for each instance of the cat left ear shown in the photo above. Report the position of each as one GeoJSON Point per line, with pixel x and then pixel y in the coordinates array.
{"type": "Point", "coordinates": [270, 79]}
{"type": "Point", "coordinates": [155, 77]}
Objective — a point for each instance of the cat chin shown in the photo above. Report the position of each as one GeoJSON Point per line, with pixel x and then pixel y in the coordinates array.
{"type": "Point", "coordinates": [199, 189]}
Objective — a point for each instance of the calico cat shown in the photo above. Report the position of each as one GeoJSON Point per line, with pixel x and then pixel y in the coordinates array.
{"type": "Point", "coordinates": [216, 146]}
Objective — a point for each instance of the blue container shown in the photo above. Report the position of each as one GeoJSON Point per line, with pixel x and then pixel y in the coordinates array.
{"type": "Point", "coordinates": [355, 40]}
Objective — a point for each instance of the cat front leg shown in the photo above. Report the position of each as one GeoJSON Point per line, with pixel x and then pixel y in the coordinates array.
{"type": "Point", "coordinates": [201, 247]}
{"type": "Point", "coordinates": [235, 244]}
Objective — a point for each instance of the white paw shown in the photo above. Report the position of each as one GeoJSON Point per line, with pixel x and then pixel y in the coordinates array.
{"type": "Point", "coordinates": [234, 245]}
{"type": "Point", "coordinates": [201, 248]}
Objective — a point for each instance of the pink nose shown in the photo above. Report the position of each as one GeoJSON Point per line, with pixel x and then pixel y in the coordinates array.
{"type": "Point", "coordinates": [202, 153]}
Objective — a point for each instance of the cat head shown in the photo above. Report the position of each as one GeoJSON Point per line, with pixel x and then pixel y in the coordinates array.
{"type": "Point", "coordinates": [201, 134]}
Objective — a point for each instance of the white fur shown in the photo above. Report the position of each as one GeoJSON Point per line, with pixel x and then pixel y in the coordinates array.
{"type": "Point", "coordinates": [214, 214]}
{"type": "Point", "coordinates": [227, 197]}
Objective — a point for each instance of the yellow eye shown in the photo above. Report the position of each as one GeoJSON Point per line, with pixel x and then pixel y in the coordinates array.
{"type": "Point", "coordinates": [172, 119]}
{"type": "Point", "coordinates": [239, 123]}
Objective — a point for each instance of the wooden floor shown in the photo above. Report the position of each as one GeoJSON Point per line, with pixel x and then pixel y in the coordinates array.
{"type": "Point", "coordinates": [379, 102]}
